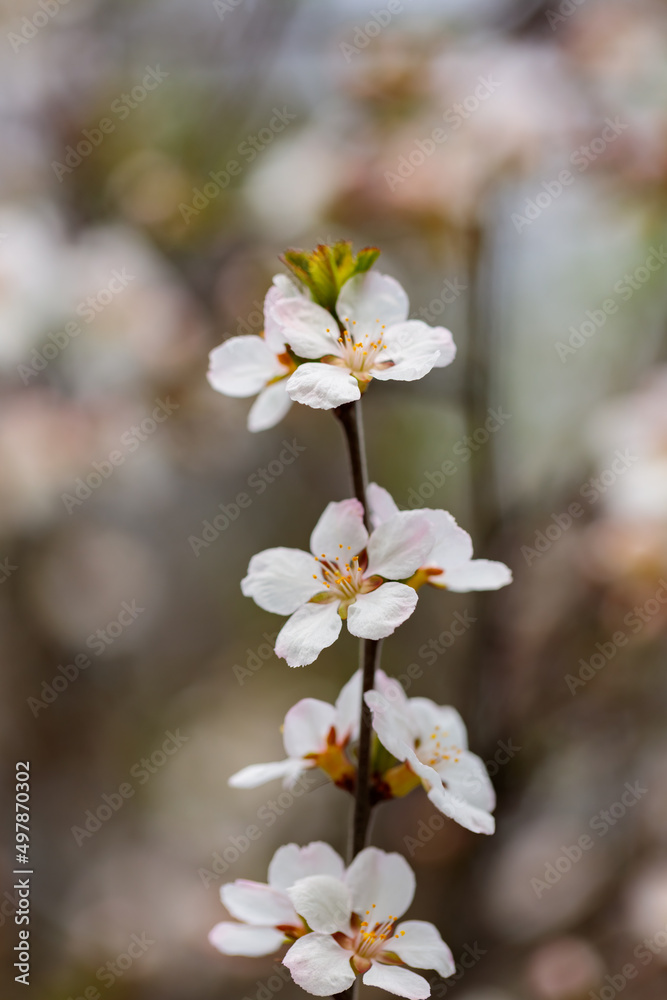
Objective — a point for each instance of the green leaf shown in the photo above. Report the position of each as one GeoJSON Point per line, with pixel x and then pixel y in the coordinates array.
{"type": "Point", "coordinates": [326, 269]}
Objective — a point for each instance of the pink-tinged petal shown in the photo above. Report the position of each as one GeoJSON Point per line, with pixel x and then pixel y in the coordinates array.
{"type": "Point", "coordinates": [379, 882]}
{"type": "Point", "coordinates": [319, 966]}
{"type": "Point", "coordinates": [270, 407]}
{"type": "Point", "coordinates": [372, 296]}
{"type": "Point", "coordinates": [415, 341]}
{"type": "Point", "coordinates": [242, 366]}
{"type": "Point", "coordinates": [310, 630]}
{"type": "Point", "coordinates": [401, 982]}
{"type": "Point", "coordinates": [378, 614]}
{"type": "Point", "coordinates": [478, 574]}
{"type": "Point", "coordinates": [348, 704]}
{"type": "Point", "coordinates": [443, 719]}
{"type": "Point", "coordinates": [399, 546]}
{"type": "Point", "coordinates": [452, 545]}
{"type": "Point", "coordinates": [340, 531]}
{"type": "Point", "coordinates": [281, 580]}
{"type": "Point", "coordinates": [324, 903]}
{"type": "Point", "coordinates": [307, 726]}
{"type": "Point", "coordinates": [291, 863]}
{"type": "Point", "coordinates": [381, 504]}
{"type": "Point", "coordinates": [258, 904]}
{"type": "Point", "coordinates": [418, 943]}
{"type": "Point", "coordinates": [322, 387]}
{"type": "Point", "coordinates": [462, 811]}
{"type": "Point", "coordinates": [392, 723]}
{"type": "Point", "coordinates": [258, 774]}
{"type": "Point", "coordinates": [251, 942]}
{"type": "Point", "coordinates": [309, 329]}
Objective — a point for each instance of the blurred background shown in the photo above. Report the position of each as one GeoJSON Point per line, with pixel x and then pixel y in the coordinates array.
{"type": "Point", "coordinates": [510, 160]}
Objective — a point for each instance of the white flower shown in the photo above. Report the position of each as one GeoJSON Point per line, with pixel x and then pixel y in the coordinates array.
{"type": "Point", "coordinates": [268, 918]}
{"type": "Point", "coordinates": [248, 365]}
{"type": "Point", "coordinates": [378, 341]}
{"type": "Point", "coordinates": [449, 564]}
{"type": "Point", "coordinates": [353, 920]}
{"type": "Point", "coordinates": [344, 578]}
{"type": "Point", "coordinates": [432, 741]}
{"type": "Point", "coordinates": [315, 734]}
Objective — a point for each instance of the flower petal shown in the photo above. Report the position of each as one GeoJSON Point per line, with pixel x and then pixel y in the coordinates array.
{"type": "Point", "coordinates": [319, 965]}
{"type": "Point", "coordinates": [381, 504]}
{"type": "Point", "coordinates": [414, 343]}
{"type": "Point", "coordinates": [307, 726]}
{"type": "Point", "coordinates": [393, 725]}
{"type": "Point", "coordinates": [281, 289]}
{"type": "Point", "coordinates": [401, 982]}
{"type": "Point", "coordinates": [310, 630]}
{"type": "Point", "coordinates": [242, 366]}
{"type": "Point", "coordinates": [430, 717]}
{"type": "Point", "coordinates": [322, 386]}
{"type": "Point", "coordinates": [372, 296]}
{"type": "Point", "coordinates": [239, 939]}
{"type": "Point", "coordinates": [478, 574]}
{"type": "Point", "coordinates": [339, 527]}
{"type": "Point", "coordinates": [324, 903]}
{"type": "Point", "coordinates": [270, 407]}
{"type": "Point", "coordinates": [461, 810]}
{"type": "Point", "coordinates": [418, 943]}
{"type": "Point", "coordinates": [452, 545]}
{"type": "Point", "coordinates": [399, 546]}
{"type": "Point", "coordinates": [258, 904]}
{"type": "Point", "coordinates": [348, 704]}
{"type": "Point", "coordinates": [291, 863]}
{"type": "Point", "coordinates": [281, 580]}
{"type": "Point", "coordinates": [258, 774]}
{"type": "Point", "coordinates": [383, 884]}
{"type": "Point", "coordinates": [378, 614]}
{"type": "Point", "coordinates": [309, 329]}
{"type": "Point", "coordinates": [466, 776]}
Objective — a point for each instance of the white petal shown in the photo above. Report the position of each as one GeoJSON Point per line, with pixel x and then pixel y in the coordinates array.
{"type": "Point", "coordinates": [381, 504]}
{"type": "Point", "coordinates": [378, 614]}
{"type": "Point", "coordinates": [270, 407]}
{"type": "Point", "coordinates": [348, 704]}
{"type": "Point", "coordinates": [307, 726]}
{"type": "Point", "coordinates": [341, 524]}
{"type": "Point", "coordinates": [382, 883]}
{"type": "Point", "coordinates": [372, 296]}
{"type": "Point", "coordinates": [391, 690]}
{"type": "Point", "coordinates": [291, 863]}
{"type": "Point", "coordinates": [401, 982]}
{"type": "Point", "coordinates": [258, 774]}
{"type": "Point", "coordinates": [393, 724]}
{"type": "Point", "coordinates": [310, 630]}
{"type": "Point", "coordinates": [309, 329]}
{"type": "Point", "coordinates": [319, 965]}
{"type": "Point", "coordinates": [462, 811]}
{"type": "Point", "coordinates": [452, 545]}
{"type": "Point", "coordinates": [242, 366]}
{"type": "Point", "coordinates": [239, 939]}
{"type": "Point", "coordinates": [281, 580]}
{"type": "Point", "coordinates": [478, 574]}
{"type": "Point", "coordinates": [428, 717]}
{"type": "Point", "coordinates": [321, 386]}
{"type": "Point", "coordinates": [418, 943]}
{"type": "Point", "coordinates": [324, 903]}
{"type": "Point", "coordinates": [281, 289]}
{"type": "Point", "coordinates": [259, 904]}
{"type": "Point", "coordinates": [466, 776]}
{"type": "Point", "coordinates": [414, 343]}
{"type": "Point", "coordinates": [399, 546]}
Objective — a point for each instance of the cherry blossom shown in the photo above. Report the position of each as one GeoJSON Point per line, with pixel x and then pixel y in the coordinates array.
{"type": "Point", "coordinates": [346, 576]}
{"type": "Point", "coordinates": [449, 565]}
{"type": "Point", "coordinates": [432, 742]}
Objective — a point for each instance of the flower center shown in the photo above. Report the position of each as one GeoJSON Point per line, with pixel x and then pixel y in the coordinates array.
{"type": "Point", "coordinates": [436, 750]}
{"type": "Point", "coordinates": [343, 575]}
{"type": "Point", "coordinates": [361, 356]}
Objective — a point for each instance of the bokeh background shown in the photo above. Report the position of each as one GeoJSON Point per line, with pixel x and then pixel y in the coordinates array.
{"type": "Point", "coordinates": [118, 275]}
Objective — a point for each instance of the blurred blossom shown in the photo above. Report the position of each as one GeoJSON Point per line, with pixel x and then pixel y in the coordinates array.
{"type": "Point", "coordinates": [564, 969]}
{"type": "Point", "coordinates": [647, 906]}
